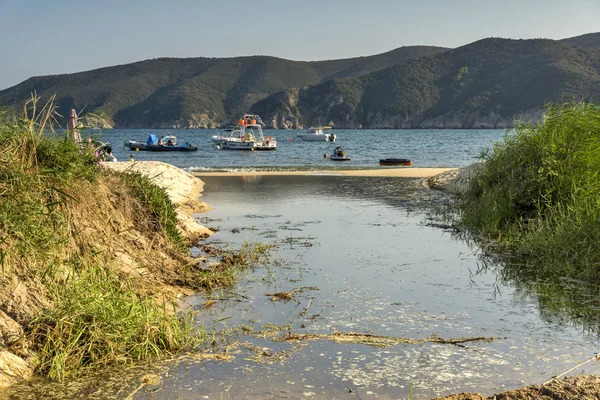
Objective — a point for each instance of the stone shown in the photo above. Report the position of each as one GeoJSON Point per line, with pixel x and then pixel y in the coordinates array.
{"type": "Point", "coordinates": [10, 330]}
{"type": "Point", "coordinates": [12, 369]}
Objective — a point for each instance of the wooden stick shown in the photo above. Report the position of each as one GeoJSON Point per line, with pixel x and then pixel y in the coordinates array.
{"type": "Point", "coordinates": [594, 357]}
{"type": "Point", "coordinates": [305, 309]}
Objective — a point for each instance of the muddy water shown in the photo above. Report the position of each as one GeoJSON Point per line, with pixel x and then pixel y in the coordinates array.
{"type": "Point", "coordinates": [361, 260]}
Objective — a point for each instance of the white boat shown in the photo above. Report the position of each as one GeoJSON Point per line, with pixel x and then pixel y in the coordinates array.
{"type": "Point", "coordinates": [246, 135]}
{"type": "Point", "coordinates": [216, 139]}
{"type": "Point", "coordinates": [316, 134]}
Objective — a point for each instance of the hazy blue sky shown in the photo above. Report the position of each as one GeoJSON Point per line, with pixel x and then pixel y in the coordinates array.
{"type": "Point", "coordinates": [62, 36]}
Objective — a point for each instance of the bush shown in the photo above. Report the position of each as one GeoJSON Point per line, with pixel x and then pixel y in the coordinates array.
{"type": "Point", "coordinates": [538, 193]}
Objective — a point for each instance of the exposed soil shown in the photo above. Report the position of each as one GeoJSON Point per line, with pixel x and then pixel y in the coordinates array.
{"type": "Point", "coordinates": [569, 388]}
{"type": "Point", "coordinates": [108, 220]}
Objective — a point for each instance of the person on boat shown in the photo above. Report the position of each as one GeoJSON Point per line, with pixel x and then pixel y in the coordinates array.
{"type": "Point", "coordinates": [169, 142]}
{"type": "Point", "coordinates": [160, 141]}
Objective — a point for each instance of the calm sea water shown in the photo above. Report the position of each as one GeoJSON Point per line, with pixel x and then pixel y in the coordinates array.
{"type": "Point", "coordinates": [426, 148]}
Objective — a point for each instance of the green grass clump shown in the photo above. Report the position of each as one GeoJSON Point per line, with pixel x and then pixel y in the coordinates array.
{"type": "Point", "coordinates": [538, 194]}
{"type": "Point", "coordinates": [98, 320]}
{"type": "Point", "coordinates": [37, 170]}
{"type": "Point", "coordinates": [157, 202]}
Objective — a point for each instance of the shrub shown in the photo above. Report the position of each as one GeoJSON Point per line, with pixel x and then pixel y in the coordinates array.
{"type": "Point", "coordinates": [538, 194]}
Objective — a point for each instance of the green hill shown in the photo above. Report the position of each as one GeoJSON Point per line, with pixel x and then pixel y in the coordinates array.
{"type": "Point", "coordinates": [587, 40]}
{"type": "Point", "coordinates": [485, 84]}
{"type": "Point", "coordinates": [192, 92]}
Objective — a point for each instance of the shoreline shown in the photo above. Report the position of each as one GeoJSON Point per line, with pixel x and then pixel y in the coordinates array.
{"type": "Point", "coordinates": [388, 172]}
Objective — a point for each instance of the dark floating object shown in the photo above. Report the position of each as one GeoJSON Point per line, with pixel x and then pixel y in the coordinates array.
{"type": "Point", "coordinates": [395, 161]}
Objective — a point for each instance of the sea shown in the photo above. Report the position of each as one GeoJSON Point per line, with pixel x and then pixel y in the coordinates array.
{"type": "Point", "coordinates": [425, 148]}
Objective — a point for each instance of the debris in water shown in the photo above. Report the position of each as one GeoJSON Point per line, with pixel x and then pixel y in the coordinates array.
{"type": "Point", "coordinates": [375, 340]}
{"type": "Point", "coordinates": [209, 303]}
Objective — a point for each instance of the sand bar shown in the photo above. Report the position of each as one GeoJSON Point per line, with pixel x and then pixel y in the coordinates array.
{"type": "Point", "coordinates": [392, 172]}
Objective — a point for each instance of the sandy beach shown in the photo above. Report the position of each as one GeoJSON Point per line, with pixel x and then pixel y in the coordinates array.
{"type": "Point", "coordinates": [391, 172]}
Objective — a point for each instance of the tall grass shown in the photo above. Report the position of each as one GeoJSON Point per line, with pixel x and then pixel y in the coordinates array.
{"type": "Point", "coordinates": [94, 318]}
{"type": "Point", "coordinates": [157, 203]}
{"type": "Point", "coordinates": [37, 169]}
{"type": "Point", "coordinates": [98, 320]}
{"type": "Point", "coordinates": [538, 194]}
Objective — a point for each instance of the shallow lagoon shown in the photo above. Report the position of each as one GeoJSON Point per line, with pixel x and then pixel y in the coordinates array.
{"type": "Point", "coordinates": [362, 260]}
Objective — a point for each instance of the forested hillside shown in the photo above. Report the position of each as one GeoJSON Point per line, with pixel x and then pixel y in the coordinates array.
{"type": "Point", "coordinates": [192, 92]}
{"type": "Point", "coordinates": [486, 84]}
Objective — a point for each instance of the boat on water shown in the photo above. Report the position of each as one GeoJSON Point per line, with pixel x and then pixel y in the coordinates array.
{"type": "Point", "coordinates": [316, 134]}
{"type": "Point", "coordinates": [339, 154]}
{"type": "Point", "coordinates": [395, 161]}
{"type": "Point", "coordinates": [163, 143]}
{"type": "Point", "coordinates": [216, 139]}
{"type": "Point", "coordinates": [135, 144]}
{"type": "Point", "coordinates": [246, 135]}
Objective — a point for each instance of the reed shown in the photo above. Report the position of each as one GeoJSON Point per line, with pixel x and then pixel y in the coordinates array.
{"type": "Point", "coordinates": [538, 194]}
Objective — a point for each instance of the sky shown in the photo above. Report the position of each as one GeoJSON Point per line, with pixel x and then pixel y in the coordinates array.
{"type": "Point", "coordinates": [65, 36]}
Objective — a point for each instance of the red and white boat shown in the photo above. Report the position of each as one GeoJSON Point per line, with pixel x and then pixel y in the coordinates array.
{"type": "Point", "coordinates": [246, 135]}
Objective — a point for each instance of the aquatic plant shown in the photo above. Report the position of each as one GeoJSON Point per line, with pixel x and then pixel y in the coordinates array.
{"type": "Point", "coordinates": [221, 268]}
{"type": "Point", "coordinates": [537, 196]}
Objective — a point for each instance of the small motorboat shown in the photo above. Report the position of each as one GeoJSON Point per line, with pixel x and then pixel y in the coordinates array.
{"type": "Point", "coordinates": [339, 155]}
{"type": "Point", "coordinates": [395, 161]}
{"type": "Point", "coordinates": [315, 134]}
{"type": "Point", "coordinates": [164, 143]}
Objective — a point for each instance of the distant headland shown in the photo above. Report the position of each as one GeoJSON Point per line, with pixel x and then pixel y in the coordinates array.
{"type": "Point", "coordinates": [489, 83]}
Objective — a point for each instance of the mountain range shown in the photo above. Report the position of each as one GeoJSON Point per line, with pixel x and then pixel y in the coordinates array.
{"type": "Point", "coordinates": [485, 84]}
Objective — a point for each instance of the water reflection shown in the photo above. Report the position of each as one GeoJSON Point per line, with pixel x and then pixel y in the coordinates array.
{"type": "Point", "coordinates": [378, 270]}
{"type": "Point", "coordinates": [559, 301]}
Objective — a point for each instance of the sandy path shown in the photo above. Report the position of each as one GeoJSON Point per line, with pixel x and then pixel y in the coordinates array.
{"type": "Point", "coordinates": [393, 172]}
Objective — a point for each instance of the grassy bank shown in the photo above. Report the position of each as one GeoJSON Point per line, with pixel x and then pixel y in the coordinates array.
{"type": "Point", "coordinates": [91, 260]}
{"type": "Point", "coordinates": [537, 198]}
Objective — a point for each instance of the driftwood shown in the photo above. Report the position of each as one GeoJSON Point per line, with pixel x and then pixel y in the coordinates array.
{"type": "Point", "coordinates": [286, 296]}
{"type": "Point", "coordinates": [375, 340]}
{"type": "Point", "coordinates": [594, 357]}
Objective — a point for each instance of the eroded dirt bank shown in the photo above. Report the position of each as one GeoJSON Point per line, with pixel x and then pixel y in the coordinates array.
{"type": "Point", "coordinates": [103, 218]}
